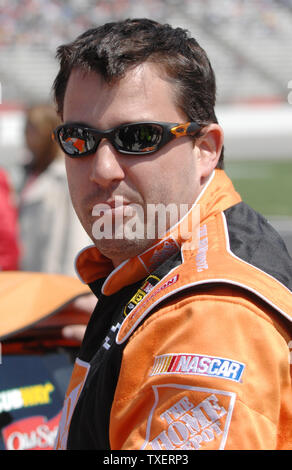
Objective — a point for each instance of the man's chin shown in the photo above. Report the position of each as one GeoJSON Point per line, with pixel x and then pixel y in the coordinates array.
{"type": "Point", "coordinates": [119, 250]}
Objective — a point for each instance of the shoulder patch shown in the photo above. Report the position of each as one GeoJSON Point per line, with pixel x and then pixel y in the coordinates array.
{"type": "Point", "coordinates": [188, 418]}
{"type": "Point", "coordinates": [197, 364]}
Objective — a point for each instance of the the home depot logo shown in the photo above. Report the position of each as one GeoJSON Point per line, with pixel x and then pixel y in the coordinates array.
{"type": "Point", "coordinates": [200, 419]}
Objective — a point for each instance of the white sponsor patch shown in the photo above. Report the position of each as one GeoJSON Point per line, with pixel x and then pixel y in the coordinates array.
{"type": "Point", "coordinates": [196, 364]}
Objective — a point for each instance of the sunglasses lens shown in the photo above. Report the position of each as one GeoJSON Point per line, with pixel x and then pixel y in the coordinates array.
{"type": "Point", "coordinates": [76, 141]}
{"type": "Point", "coordinates": [138, 138]}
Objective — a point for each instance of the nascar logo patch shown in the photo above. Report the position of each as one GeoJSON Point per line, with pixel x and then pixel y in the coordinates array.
{"type": "Point", "coordinates": [195, 364]}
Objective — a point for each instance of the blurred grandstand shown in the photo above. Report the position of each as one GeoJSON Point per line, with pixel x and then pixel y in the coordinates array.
{"type": "Point", "coordinates": [249, 43]}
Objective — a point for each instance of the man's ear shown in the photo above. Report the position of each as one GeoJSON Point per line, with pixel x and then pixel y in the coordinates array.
{"type": "Point", "coordinates": [209, 146]}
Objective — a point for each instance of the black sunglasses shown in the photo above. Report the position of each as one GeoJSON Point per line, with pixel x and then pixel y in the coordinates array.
{"type": "Point", "coordinates": [78, 140]}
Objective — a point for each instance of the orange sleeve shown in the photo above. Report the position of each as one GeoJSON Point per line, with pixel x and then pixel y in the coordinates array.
{"type": "Point", "coordinates": [204, 373]}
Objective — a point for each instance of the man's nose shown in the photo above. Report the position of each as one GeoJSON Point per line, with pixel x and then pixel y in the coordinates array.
{"type": "Point", "coordinates": [106, 165]}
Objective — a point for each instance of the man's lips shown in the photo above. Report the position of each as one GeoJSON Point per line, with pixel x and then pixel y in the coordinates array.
{"type": "Point", "coordinates": [116, 203]}
{"type": "Point", "coordinates": [112, 206]}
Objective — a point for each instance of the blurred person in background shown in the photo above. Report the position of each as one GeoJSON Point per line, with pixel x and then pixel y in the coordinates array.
{"type": "Point", "coordinates": [49, 230]}
{"type": "Point", "coordinates": [9, 233]}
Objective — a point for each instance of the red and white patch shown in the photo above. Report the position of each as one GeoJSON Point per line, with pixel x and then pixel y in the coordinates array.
{"type": "Point", "coordinates": [189, 418]}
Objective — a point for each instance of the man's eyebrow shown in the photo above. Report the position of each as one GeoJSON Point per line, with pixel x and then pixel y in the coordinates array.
{"type": "Point", "coordinates": [78, 123]}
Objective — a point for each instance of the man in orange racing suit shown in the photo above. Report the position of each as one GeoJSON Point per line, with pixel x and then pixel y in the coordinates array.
{"type": "Point", "coordinates": [188, 347]}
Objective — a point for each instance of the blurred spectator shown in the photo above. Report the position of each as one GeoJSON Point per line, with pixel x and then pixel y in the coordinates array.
{"type": "Point", "coordinates": [50, 232]}
{"type": "Point", "coordinates": [9, 241]}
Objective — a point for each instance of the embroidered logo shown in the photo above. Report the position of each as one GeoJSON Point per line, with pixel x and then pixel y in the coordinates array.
{"type": "Point", "coordinates": [201, 257]}
{"type": "Point", "coordinates": [135, 316]}
{"type": "Point", "coordinates": [195, 364]}
{"type": "Point", "coordinates": [195, 418]}
{"type": "Point", "coordinates": [146, 287]}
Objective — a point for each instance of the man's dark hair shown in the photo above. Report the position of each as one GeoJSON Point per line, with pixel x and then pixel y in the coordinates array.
{"type": "Point", "coordinates": [112, 49]}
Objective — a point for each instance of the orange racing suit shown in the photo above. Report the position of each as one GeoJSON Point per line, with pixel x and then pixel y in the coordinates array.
{"type": "Point", "coordinates": [189, 345]}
